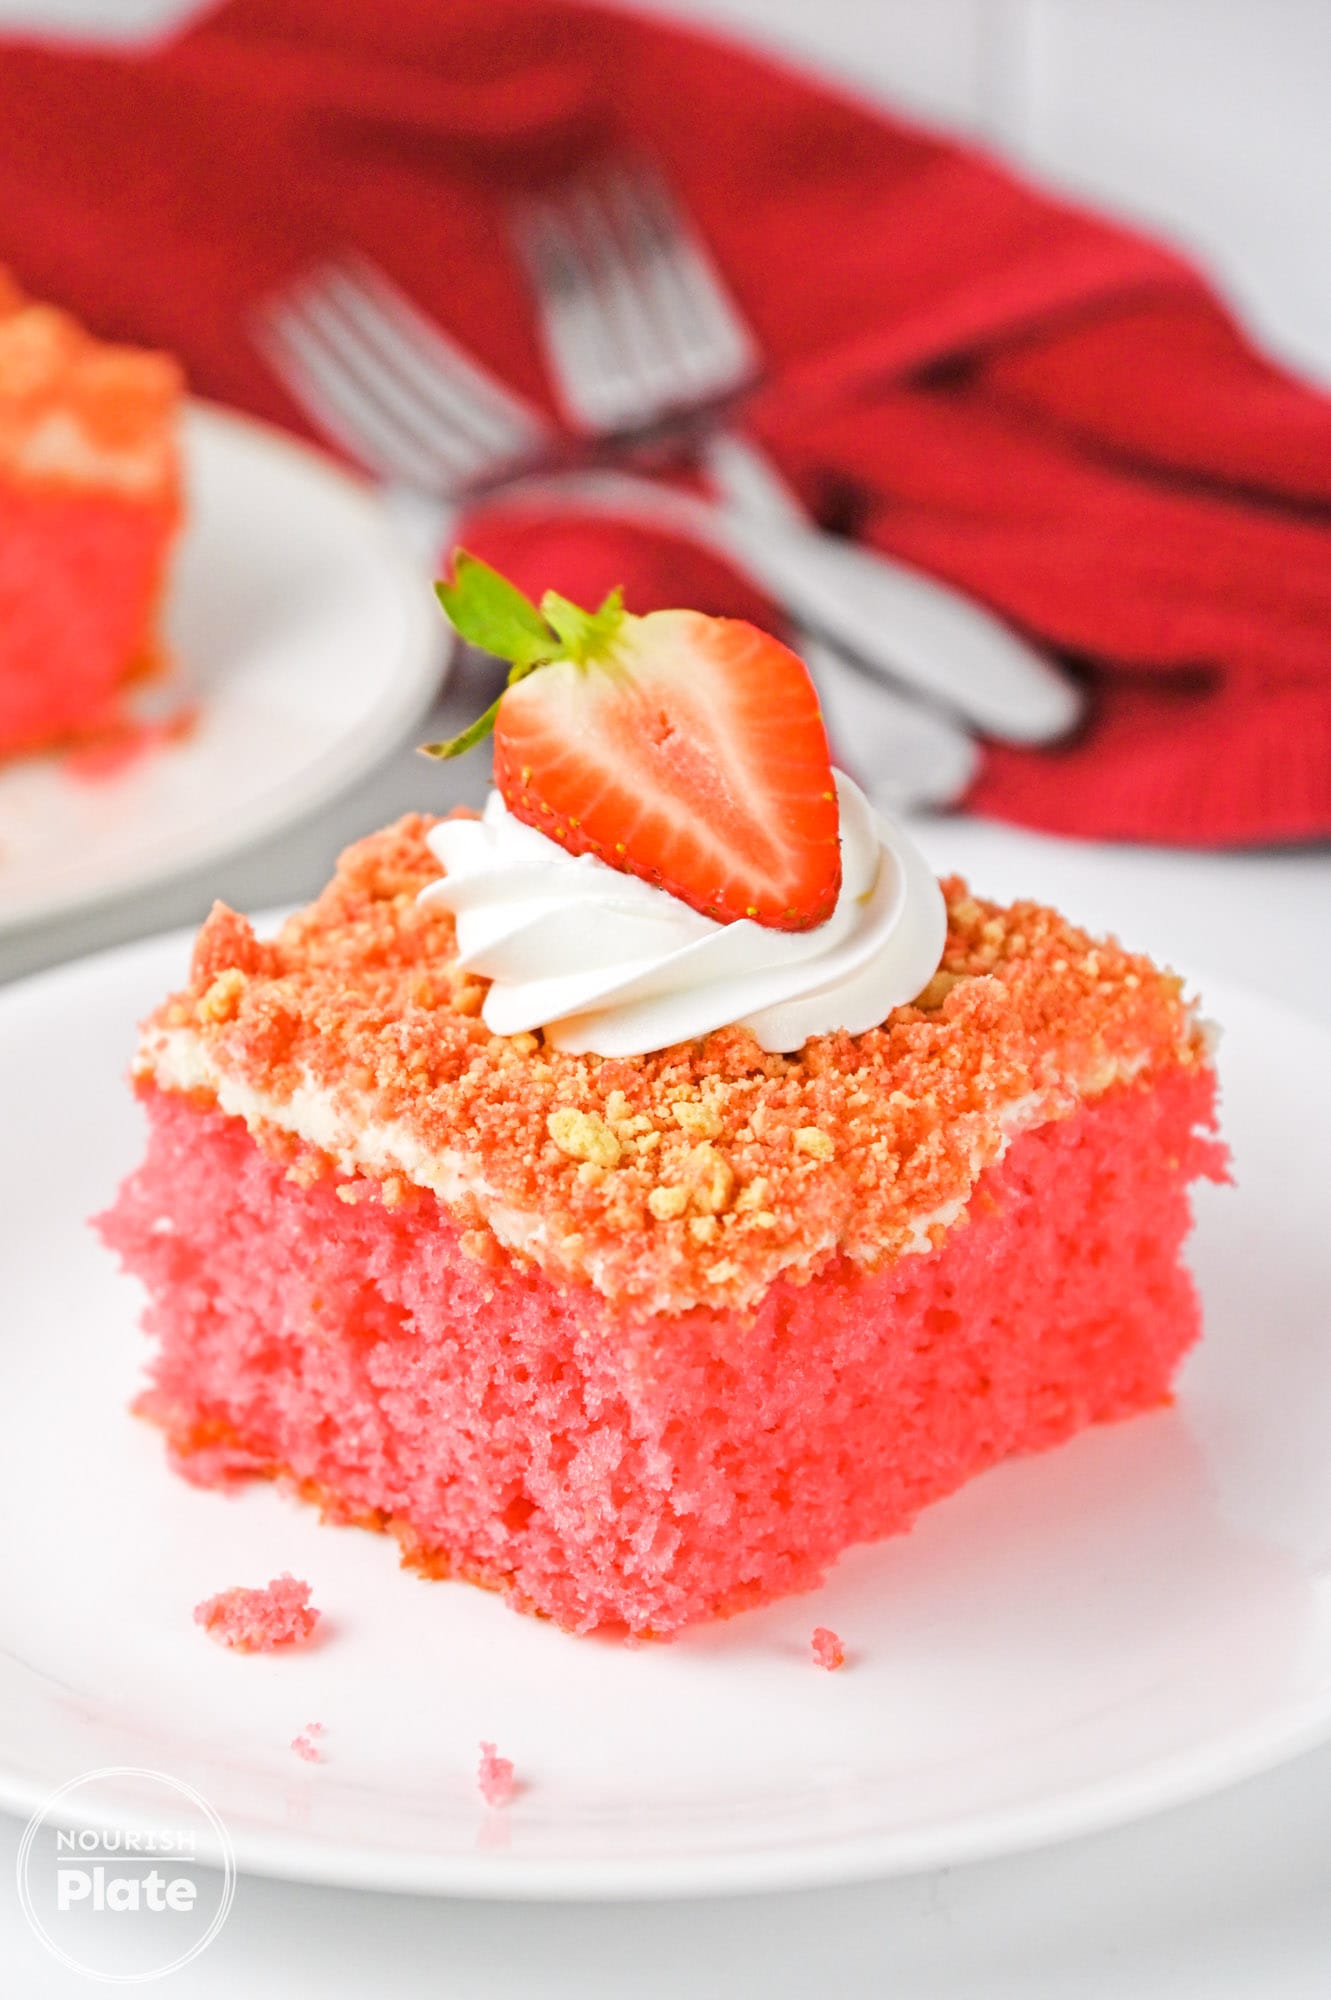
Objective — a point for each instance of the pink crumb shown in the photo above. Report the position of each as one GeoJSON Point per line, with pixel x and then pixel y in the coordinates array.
{"type": "Point", "coordinates": [305, 1746]}
{"type": "Point", "coordinates": [259, 1621]}
{"type": "Point", "coordinates": [495, 1777]}
{"type": "Point", "coordinates": [126, 742]}
{"type": "Point", "coordinates": [828, 1650]}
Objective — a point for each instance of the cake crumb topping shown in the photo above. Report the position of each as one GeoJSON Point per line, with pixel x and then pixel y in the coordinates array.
{"type": "Point", "coordinates": [696, 1174]}
{"type": "Point", "coordinates": [811, 1139]}
{"type": "Point", "coordinates": [585, 1136]}
{"type": "Point", "coordinates": [77, 411]}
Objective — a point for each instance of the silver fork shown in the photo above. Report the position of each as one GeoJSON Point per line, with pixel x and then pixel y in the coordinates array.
{"type": "Point", "coordinates": [388, 385]}
{"type": "Point", "coordinates": [637, 324]}
{"type": "Point", "coordinates": [639, 328]}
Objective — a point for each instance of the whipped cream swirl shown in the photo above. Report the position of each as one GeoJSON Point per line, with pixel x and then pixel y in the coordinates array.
{"type": "Point", "coordinates": [610, 965]}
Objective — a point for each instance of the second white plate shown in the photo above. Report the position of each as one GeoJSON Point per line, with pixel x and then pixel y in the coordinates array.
{"type": "Point", "coordinates": [308, 637]}
{"type": "Point", "coordinates": [1135, 1619]}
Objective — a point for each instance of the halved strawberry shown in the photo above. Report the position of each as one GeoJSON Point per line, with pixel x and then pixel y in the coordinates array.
{"type": "Point", "coordinates": [684, 749]}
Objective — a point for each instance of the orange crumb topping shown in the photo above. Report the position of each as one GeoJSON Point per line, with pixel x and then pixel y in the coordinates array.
{"type": "Point", "coordinates": [78, 410]}
{"type": "Point", "coordinates": [699, 1173]}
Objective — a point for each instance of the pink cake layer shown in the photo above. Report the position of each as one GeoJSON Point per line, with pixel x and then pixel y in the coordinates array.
{"type": "Point", "coordinates": [640, 1471]}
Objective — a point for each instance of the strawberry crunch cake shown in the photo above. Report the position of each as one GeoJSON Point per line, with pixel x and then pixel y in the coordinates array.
{"type": "Point", "coordinates": [634, 1196]}
{"type": "Point", "coordinates": [89, 508]}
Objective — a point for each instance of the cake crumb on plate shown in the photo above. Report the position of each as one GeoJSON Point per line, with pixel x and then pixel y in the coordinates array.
{"type": "Point", "coordinates": [828, 1650]}
{"type": "Point", "coordinates": [305, 1745]}
{"type": "Point", "coordinates": [495, 1777]}
{"type": "Point", "coordinates": [259, 1621]}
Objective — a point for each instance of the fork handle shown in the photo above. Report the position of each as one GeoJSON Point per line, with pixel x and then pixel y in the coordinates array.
{"type": "Point", "coordinates": [892, 618]}
{"type": "Point", "coordinates": [906, 752]}
{"type": "Point", "coordinates": [904, 626]}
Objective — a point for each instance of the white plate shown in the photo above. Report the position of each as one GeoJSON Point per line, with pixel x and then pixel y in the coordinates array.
{"type": "Point", "coordinates": [1135, 1619]}
{"type": "Point", "coordinates": [311, 642]}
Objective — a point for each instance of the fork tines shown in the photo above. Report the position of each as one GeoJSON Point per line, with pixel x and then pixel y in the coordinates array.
{"type": "Point", "coordinates": [637, 323]}
{"type": "Point", "coordinates": [387, 384]}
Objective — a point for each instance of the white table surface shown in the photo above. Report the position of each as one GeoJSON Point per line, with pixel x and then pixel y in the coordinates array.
{"type": "Point", "coordinates": [1229, 1899]}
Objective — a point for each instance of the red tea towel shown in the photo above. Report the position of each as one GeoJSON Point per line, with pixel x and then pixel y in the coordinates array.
{"type": "Point", "coordinates": [1045, 409]}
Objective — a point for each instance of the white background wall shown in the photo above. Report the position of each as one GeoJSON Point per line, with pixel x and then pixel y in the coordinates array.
{"type": "Point", "coordinates": [1208, 119]}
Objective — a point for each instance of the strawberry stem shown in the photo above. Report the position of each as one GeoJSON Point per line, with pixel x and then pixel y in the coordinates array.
{"type": "Point", "coordinates": [585, 635]}
{"type": "Point", "coordinates": [456, 746]}
{"type": "Point", "coordinates": [488, 611]}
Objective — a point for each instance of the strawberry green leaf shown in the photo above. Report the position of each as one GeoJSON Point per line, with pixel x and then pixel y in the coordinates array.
{"type": "Point", "coordinates": [456, 746]}
{"type": "Point", "coordinates": [488, 611]}
{"type": "Point", "coordinates": [584, 635]}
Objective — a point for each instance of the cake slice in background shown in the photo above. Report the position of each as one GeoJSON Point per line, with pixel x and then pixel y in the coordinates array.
{"type": "Point", "coordinates": [89, 507]}
{"type": "Point", "coordinates": [624, 1259]}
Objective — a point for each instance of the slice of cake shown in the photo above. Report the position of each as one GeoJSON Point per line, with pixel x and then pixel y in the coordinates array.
{"type": "Point", "coordinates": [623, 1257]}
{"type": "Point", "coordinates": [89, 507]}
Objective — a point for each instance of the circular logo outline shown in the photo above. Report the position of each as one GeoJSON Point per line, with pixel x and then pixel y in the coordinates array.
{"type": "Point", "coordinates": [38, 1821]}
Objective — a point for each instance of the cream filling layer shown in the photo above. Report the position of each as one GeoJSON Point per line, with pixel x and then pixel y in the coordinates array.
{"type": "Point", "coordinates": [60, 448]}
{"type": "Point", "coordinates": [179, 1059]}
